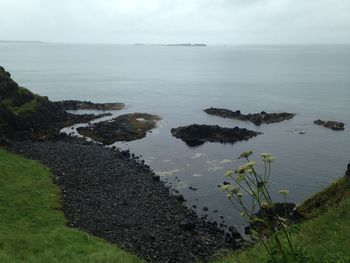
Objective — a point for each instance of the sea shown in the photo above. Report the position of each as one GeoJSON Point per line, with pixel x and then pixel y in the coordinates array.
{"type": "Point", "coordinates": [177, 83]}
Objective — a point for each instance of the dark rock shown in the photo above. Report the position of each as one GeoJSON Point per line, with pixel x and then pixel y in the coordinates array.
{"type": "Point", "coordinates": [256, 118]}
{"type": "Point", "coordinates": [195, 134]}
{"type": "Point", "coordinates": [127, 127]}
{"type": "Point", "coordinates": [334, 125]}
{"type": "Point", "coordinates": [193, 188]}
{"type": "Point", "coordinates": [156, 178]}
{"type": "Point", "coordinates": [205, 208]}
{"type": "Point", "coordinates": [87, 105]}
{"type": "Point", "coordinates": [188, 224]}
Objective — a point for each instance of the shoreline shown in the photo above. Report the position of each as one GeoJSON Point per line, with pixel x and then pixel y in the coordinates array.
{"type": "Point", "coordinates": [112, 196]}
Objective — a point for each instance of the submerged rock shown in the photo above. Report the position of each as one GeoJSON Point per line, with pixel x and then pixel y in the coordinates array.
{"type": "Point", "coordinates": [256, 118]}
{"type": "Point", "coordinates": [127, 127]}
{"type": "Point", "coordinates": [195, 134]}
{"type": "Point", "coordinates": [88, 105]}
{"type": "Point", "coordinates": [333, 125]}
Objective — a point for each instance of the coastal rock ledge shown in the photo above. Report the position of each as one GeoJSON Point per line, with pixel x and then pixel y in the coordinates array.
{"type": "Point", "coordinates": [255, 118]}
{"type": "Point", "coordinates": [127, 127]}
{"type": "Point", "coordinates": [195, 134]}
{"type": "Point", "coordinates": [333, 125]}
{"type": "Point", "coordinates": [88, 105]}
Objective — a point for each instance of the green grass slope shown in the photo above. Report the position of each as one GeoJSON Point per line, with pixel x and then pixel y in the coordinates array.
{"type": "Point", "coordinates": [323, 237]}
{"type": "Point", "coordinates": [32, 229]}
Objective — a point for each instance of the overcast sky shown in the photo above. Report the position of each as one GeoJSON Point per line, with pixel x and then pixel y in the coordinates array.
{"type": "Point", "coordinates": [177, 21]}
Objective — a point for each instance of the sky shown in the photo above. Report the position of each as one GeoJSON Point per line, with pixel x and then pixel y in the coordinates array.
{"type": "Point", "coordinates": [177, 21]}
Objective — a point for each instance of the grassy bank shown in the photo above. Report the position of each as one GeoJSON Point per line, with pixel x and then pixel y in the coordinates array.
{"type": "Point", "coordinates": [323, 237]}
{"type": "Point", "coordinates": [32, 229]}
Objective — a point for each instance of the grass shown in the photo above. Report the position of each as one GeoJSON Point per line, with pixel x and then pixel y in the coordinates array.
{"type": "Point", "coordinates": [323, 237]}
{"type": "Point", "coordinates": [24, 109]}
{"type": "Point", "coordinates": [32, 229]}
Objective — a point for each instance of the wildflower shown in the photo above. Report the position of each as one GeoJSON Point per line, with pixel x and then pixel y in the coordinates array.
{"type": "Point", "coordinates": [228, 173]}
{"type": "Point", "coordinates": [283, 192]}
{"type": "Point", "coordinates": [234, 190]}
{"type": "Point", "coordinates": [241, 169]}
{"type": "Point", "coordinates": [239, 194]}
{"type": "Point", "coordinates": [245, 154]}
{"type": "Point", "coordinates": [240, 177]}
{"type": "Point", "coordinates": [225, 187]}
{"type": "Point", "coordinates": [267, 157]}
{"type": "Point", "coordinates": [265, 205]}
{"type": "Point", "coordinates": [250, 164]}
{"type": "Point", "coordinates": [229, 195]}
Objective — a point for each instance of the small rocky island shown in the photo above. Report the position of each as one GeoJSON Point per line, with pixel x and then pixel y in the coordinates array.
{"type": "Point", "coordinates": [255, 118]}
{"type": "Point", "coordinates": [127, 127]}
{"type": "Point", "coordinates": [195, 134]}
{"type": "Point", "coordinates": [88, 105]}
{"type": "Point", "coordinates": [333, 125]}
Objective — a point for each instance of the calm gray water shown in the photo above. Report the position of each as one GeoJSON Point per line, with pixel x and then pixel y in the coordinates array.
{"type": "Point", "coordinates": [177, 83]}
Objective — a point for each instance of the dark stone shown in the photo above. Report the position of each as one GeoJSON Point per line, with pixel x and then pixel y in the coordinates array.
{"type": "Point", "coordinates": [188, 224]}
{"type": "Point", "coordinates": [87, 105]}
{"type": "Point", "coordinates": [156, 178]}
{"type": "Point", "coordinates": [193, 188]}
{"type": "Point", "coordinates": [205, 208]}
{"type": "Point", "coordinates": [127, 127]}
{"type": "Point", "coordinates": [255, 118]}
{"type": "Point", "coordinates": [194, 135]}
{"type": "Point", "coordinates": [333, 125]}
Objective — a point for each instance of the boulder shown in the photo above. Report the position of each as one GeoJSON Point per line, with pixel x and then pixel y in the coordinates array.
{"type": "Point", "coordinates": [195, 134]}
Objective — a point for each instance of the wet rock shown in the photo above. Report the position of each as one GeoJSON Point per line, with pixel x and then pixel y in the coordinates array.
{"type": "Point", "coordinates": [333, 125]}
{"type": "Point", "coordinates": [188, 224]}
{"type": "Point", "coordinates": [256, 118]}
{"type": "Point", "coordinates": [195, 134]}
{"type": "Point", "coordinates": [127, 127]}
{"type": "Point", "coordinates": [87, 105]}
{"type": "Point", "coordinates": [193, 188]}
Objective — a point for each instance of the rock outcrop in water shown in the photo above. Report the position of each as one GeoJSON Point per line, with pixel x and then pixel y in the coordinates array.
{"type": "Point", "coordinates": [256, 118]}
{"type": "Point", "coordinates": [24, 114]}
{"type": "Point", "coordinates": [127, 127]}
{"type": "Point", "coordinates": [88, 105]}
{"type": "Point", "coordinates": [195, 134]}
{"type": "Point", "coordinates": [333, 125]}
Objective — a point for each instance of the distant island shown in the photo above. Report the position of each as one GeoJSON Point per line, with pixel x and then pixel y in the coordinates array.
{"type": "Point", "coordinates": [21, 41]}
{"type": "Point", "coordinates": [175, 45]}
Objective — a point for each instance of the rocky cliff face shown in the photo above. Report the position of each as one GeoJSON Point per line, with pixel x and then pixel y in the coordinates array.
{"type": "Point", "coordinates": [24, 114]}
